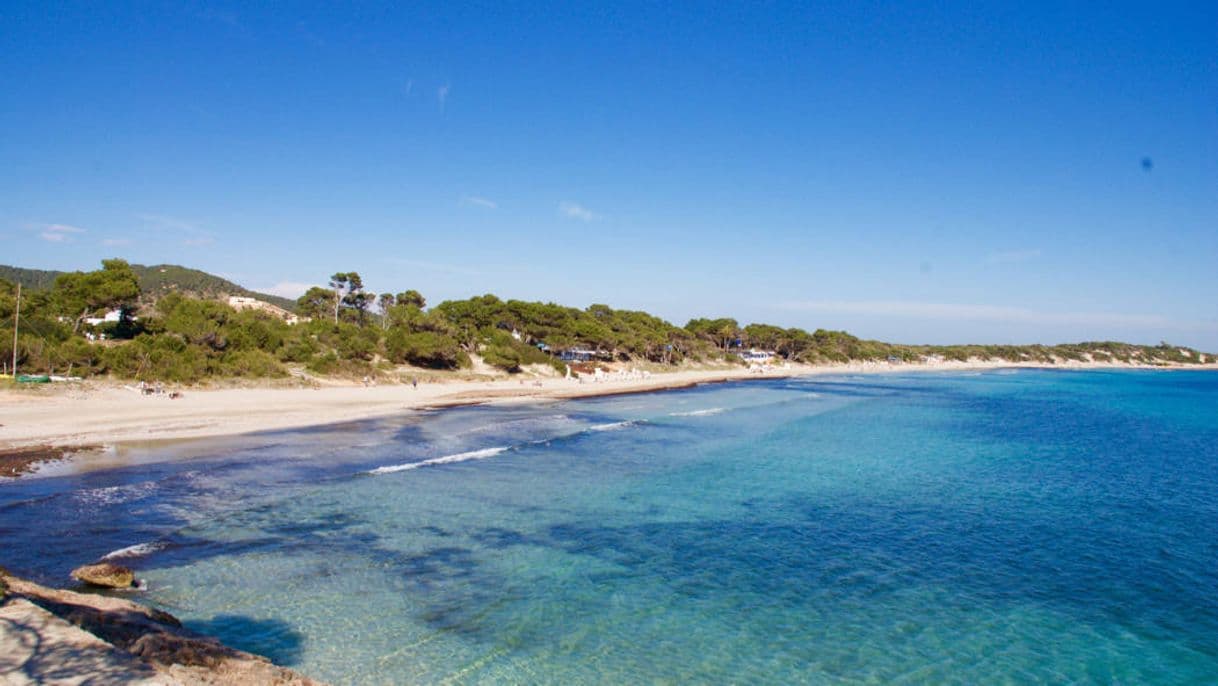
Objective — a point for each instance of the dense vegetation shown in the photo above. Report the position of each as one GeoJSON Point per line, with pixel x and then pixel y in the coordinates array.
{"type": "Point", "coordinates": [171, 334]}
{"type": "Point", "coordinates": [155, 281]}
{"type": "Point", "coordinates": [33, 279]}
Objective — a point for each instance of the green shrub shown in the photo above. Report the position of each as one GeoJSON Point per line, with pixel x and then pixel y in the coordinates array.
{"type": "Point", "coordinates": [502, 356]}
{"type": "Point", "coordinates": [425, 349]}
{"type": "Point", "coordinates": [158, 358]}
{"type": "Point", "coordinates": [300, 349]}
{"type": "Point", "coordinates": [252, 364]}
{"type": "Point", "coordinates": [323, 364]}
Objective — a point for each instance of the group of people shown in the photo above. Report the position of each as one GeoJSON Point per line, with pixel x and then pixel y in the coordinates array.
{"type": "Point", "coordinates": [599, 375]}
{"type": "Point", "coordinates": [371, 381]}
{"type": "Point", "coordinates": [145, 388]}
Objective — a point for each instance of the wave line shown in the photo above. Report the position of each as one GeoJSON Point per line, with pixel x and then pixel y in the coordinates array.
{"type": "Point", "coordinates": [447, 459]}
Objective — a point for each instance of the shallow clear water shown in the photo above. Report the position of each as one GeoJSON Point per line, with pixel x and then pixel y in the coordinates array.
{"type": "Point", "coordinates": [1023, 527]}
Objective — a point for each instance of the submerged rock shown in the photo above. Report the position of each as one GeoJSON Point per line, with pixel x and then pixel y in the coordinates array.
{"type": "Point", "coordinates": [15, 462]}
{"type": "Point", "coordinates": [106, 575]}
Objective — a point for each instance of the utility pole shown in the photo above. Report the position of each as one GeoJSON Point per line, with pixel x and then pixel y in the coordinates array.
{"type": "Point", "coordinates": [16, 323]}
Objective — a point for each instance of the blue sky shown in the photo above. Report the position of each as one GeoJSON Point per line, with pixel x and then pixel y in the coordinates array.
{"type": "Point", "coordinates": [969, 173]}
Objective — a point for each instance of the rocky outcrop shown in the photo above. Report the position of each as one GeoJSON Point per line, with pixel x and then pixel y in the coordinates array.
{"type": "Point", "coordinates": [36, 647]}
{"type": "Point", "coordinates": [75, 636]}
{"type": "Point", "coordinates": [105, 575]}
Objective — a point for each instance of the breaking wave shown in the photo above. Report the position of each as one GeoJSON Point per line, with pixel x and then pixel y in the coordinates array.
{"type": "Point", "coordinates": [612, 425]}
{"type": "Point", "coordinates": [697, 413]}
{"type": "Point", "coordinates": [137, 550]}
{"type": "Point", "coordinates": [484, 453]}
{"type": "Point", "coordinates": [456, 457]}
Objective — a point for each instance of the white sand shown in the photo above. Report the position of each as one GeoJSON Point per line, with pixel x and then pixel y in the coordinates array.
{"type": "Point", "coordinates": [95, 414]}
{"type": "Point", "coordinates": [104, 414]}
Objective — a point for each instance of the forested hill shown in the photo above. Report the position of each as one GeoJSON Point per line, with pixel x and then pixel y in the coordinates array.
{"type": "Point", "coordinates": [172, 326]}
{"type": "Point", "coordinates": [155, 281]}
{"type": "Point", "coordinates": [31, 279]}
{"type": "Point", "coordinates": [160, 279]}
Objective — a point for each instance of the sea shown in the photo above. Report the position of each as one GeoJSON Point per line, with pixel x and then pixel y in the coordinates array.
{"type": "Point", "coordinates": [1021, 527]}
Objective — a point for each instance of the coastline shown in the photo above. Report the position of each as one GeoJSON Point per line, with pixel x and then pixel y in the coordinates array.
{"type": "Point", "coordinates": [84, 418]}
{"type": "Point", "coordinates": [217, 545]}
{"type": "Point", "coordinates": [62, 636]}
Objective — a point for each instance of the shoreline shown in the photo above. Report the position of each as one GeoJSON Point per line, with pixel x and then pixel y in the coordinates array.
{"type": "Point", "coordinates": [65, 636]}
{"type": "Point", "coordinates": [80, 419]}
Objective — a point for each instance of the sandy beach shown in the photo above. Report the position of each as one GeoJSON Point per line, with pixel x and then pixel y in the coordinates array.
{"type": "Point", "coordinates": [99, 414]}
{"type": "Point", "coordinates": [299, 543]}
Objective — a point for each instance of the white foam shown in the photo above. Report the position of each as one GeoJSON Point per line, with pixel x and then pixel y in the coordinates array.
{"type": "Point", "coordinates": [458, 457]}
{"type": "Point", "coordinates": [697, 413]}
{"type": "Point", "coordinates": [114, 495]}
{"type": "Point", "coordinates": [612, 426]}
{"type": "Point", "coordinates": [137, 550]}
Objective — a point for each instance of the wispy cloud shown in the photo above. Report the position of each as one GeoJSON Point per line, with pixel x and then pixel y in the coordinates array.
{"type": "Point", "coordinates": [442, 95]}
{"type": "Point", "coordinates": [480, 202]}
{"type": "Point", "coordinates": [438, 267]}
{"type": "Point", "coordinates": [111, 242]}
{"type": "Point", "coordinates": [574, 210]}
{"type": "Point", "coordinates": [409, 87]}
{"type": "Point", "coordinates": [287, 289]}
{"type": "Point", "coordinates": [992, 313]}
{"type": "Point", "coordinates": [164, 221]}
{"type": "Point", "coordinates": [1013, 256]}
{"type": "Point", "coordinates": [58, 233]}
{"type": "Point", "coordinates": [191, 233]}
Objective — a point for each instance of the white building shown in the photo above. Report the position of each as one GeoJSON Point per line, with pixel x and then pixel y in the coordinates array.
{"type": "Point", "coordinates": [755, 356]}
{"type": "Point", "coordinates": [113, 316]}
{"type": "Point", "coordinates": [239, 302]}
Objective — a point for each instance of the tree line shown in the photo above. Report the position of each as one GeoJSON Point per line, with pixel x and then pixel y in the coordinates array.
{"type": "Point", "coordinates": [347, 330]}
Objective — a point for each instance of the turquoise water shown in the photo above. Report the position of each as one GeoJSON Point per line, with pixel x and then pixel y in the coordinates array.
{"type": "Point", "coordinates": [1005, 527]}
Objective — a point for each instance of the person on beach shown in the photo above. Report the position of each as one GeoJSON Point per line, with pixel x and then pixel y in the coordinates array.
{"type": "Point", "coordinates": [414, 382]}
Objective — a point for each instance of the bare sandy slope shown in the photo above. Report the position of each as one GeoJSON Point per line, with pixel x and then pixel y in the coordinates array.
{"type": "Point", "coordinates": [91, 415]}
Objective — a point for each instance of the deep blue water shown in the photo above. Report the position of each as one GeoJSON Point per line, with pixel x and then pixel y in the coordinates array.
{"type": "Point", "coordinates": [1005, 527]}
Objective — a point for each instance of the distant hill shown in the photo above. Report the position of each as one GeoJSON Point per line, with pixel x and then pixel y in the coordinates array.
{"type": "Point", "coordinates": [33, 279]}
{"type": "Point", "coordinates": [160, 279]}
{"type": "Point", "coordinates": [156, 281]}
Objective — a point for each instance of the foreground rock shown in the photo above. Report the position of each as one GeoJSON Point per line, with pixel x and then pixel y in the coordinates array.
{"type": "Point", "coordinates": [50, 636]}
{"type": "Point", "coordinates": [105, 575]}
{"type": "Point", "coordinates": [36, 647]}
